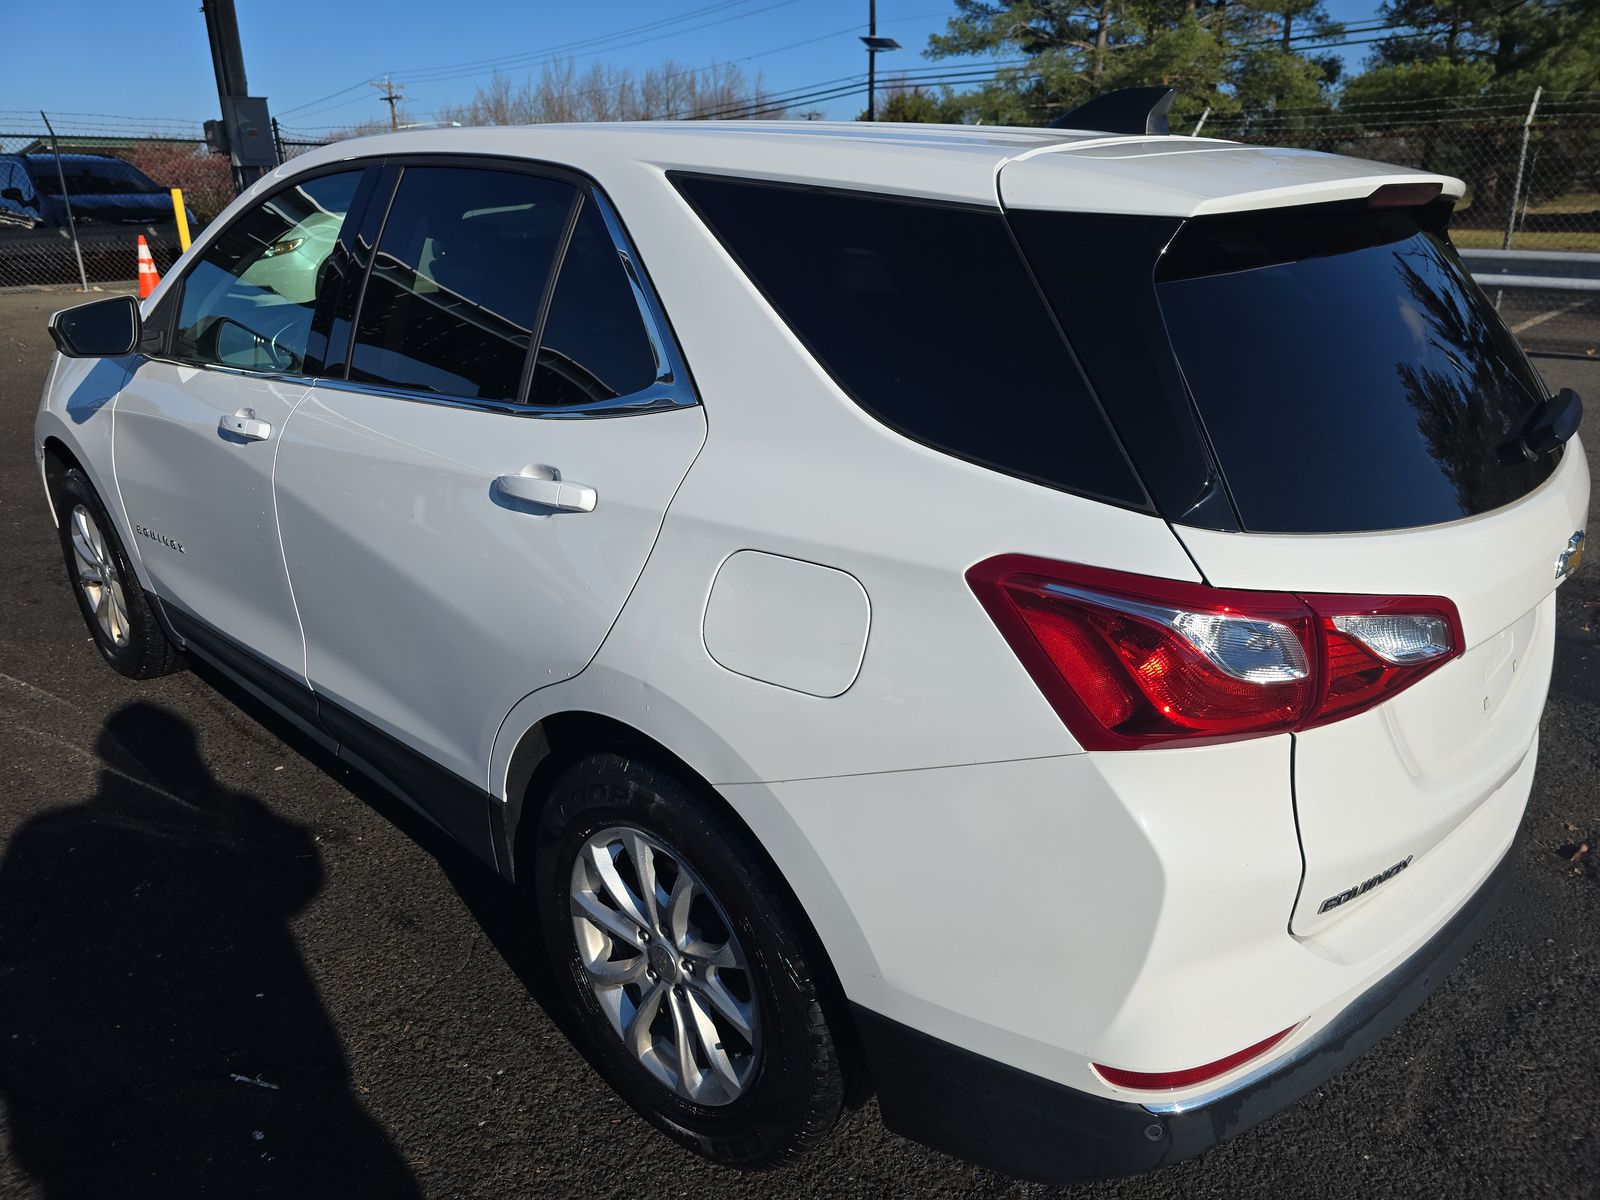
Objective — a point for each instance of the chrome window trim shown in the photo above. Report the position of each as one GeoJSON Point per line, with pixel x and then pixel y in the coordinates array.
{"type": "Point", "coordinates": [226, 369]}
{"type": "Point", "coordinates": [647, 400]}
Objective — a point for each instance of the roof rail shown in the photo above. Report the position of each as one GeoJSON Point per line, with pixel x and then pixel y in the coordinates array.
{"type": "Point", "coordinates": [1130, 110]}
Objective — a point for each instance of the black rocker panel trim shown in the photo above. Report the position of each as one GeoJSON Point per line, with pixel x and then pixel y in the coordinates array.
{"type": "Point", "coordinates": [449, 801]}
{"type": "Point", "coordinates": [461, 809]}
{"type": "Point", "coordinates": [282, 690]}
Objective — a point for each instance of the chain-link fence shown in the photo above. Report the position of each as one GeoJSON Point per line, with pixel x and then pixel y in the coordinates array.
{"type": "Point", "coordinates": [289, 145]}
{"type": "Point", "coordinates": [1531, 162]}
{"type": "Point", "coordinates": [117, 188]}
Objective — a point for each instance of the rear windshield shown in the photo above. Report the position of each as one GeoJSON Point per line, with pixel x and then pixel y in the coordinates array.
{"type": "Point", "coordinates": [1348, 372]}
{"type": "Point", "coordinates": [926, 316]}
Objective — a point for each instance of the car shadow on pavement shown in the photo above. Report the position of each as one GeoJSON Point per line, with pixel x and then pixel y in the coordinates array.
{"type": "Point", "coordinates": [160, 1034]}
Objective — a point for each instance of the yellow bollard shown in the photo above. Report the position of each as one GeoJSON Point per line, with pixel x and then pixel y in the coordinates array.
{"type": "Point", "coordinates": [182, 218]}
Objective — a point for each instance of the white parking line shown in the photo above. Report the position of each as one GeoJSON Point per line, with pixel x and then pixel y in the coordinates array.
{"type": "Point", "coordinates": [1550, 316]}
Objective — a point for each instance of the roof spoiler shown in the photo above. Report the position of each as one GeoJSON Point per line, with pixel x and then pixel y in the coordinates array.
{"type": "Point", "coordinates": [1135, 111]}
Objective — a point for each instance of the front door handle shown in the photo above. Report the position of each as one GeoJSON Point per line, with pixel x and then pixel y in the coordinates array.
{"type": "Point", "coordinates": [244, 424]}
{"type": "Point", "coordinates": [548, 489]}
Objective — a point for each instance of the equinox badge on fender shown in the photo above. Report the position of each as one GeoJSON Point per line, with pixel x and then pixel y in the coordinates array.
{"type": "Point", "coordinates": [170, 543]}
{"type": "Point", "coordinates": [1362, 888]}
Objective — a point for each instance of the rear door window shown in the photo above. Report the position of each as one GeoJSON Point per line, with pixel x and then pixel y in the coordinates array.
{"type": "Point", "coordinates": [459, 276]}
{"type": "Point", "coordinates": [594, 346]}
{"type": "Point", "coordinates": [925, 315]}
{"type": "Point", "coordinates": [1350, 374]}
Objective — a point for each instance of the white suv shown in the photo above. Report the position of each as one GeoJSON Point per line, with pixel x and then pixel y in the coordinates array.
{"type": "Point", "coordinates": [1051, 626]}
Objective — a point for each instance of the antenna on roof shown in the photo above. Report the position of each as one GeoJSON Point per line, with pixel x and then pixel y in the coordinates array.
{"type": "Point", "coordinates": [1136, 111]}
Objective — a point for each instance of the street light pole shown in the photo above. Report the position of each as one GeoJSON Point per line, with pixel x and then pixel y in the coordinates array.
{"type": "Point", "coordinates": [875, 46]}
{"type": "Point", "coordinates": [246, 134]}
{"type": "Point", "coordinates": [872, 61]}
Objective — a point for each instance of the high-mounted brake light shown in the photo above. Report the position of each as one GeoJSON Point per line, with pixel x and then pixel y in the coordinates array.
{"type": "Point", "coordinates": [1169, 1080]}
{"type": "Point", "coordinates": [1404, 195]}
{"type": "Point", "coordinates": [1129, 661]}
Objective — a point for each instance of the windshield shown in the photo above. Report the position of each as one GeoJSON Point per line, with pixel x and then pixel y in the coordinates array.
{"type": "Point", "coordinates": [1348, 372]}
{"type": "Point", "coordinates": [101, 177]}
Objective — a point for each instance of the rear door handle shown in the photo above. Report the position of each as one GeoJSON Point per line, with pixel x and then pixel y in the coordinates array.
{"type": "Point", "coordinates": [245, 424]}
{"type": "Point", "coordinates": [549, 492]}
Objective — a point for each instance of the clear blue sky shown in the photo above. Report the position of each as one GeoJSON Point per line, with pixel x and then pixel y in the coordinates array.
{"type": "Point", "coordinates": [143, 63]}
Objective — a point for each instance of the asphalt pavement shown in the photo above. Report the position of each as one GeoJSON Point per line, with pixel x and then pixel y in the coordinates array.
{"type": "Point", "coordinates": [228, 968]}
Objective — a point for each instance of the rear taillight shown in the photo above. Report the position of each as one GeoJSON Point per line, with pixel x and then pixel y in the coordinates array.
{"type": "Point", "coordinates": [1129, 661]}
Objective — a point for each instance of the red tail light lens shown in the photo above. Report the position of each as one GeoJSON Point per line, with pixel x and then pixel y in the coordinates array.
{"type": "Point", "coordinates": [1375, 647]}
{"type": "Point", "coordinates": [1129, 661]}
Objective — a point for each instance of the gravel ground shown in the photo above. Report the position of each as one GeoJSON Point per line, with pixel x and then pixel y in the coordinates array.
{"type": "Point", "coordinates": [228, 968]}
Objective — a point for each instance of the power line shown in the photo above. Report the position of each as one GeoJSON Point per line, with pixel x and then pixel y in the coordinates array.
{"type": "Point", "coordinates": [584, 48]}
{"type": "Point", "coordinates": [628, 31]}
{"type": "Point", "coordinates": [581, 43]}
{"type": "Point", "coordinates": [696, 70]}
{"type": "Point", "coordinates": [843, 84]}
{"type": "Point", "coordinates": [446, 72]}
{"type": "Point", "coordinates": [564, 56]}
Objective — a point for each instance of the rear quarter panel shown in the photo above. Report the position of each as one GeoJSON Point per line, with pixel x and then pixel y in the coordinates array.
{"type": "Point", "coordinates": [792, 467]}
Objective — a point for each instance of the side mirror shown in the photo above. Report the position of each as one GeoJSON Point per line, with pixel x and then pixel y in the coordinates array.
{"type": "Point", "coordinates": [101, 329]}
{"type": "Point", "coordinates": [1552, 423]}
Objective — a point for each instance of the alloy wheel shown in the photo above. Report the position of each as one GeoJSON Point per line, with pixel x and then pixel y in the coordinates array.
{"type": "Point", "coordinates": [98, 579]}
{"type": "Point", "coordinates": [659, 953]}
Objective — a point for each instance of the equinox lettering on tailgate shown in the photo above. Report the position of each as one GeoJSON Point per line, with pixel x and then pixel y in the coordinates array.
{"type": "Point", "coordinates": [1362, 888]}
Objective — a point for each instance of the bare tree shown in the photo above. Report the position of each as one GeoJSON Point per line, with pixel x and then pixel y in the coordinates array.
{"type": "Point", "coordinates": [561, 92]}
{"type": "Point", "coordinates": [368, 127]}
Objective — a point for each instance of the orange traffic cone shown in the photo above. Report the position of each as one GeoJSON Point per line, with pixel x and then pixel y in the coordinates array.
{"type": "Point", "coordinates": [147, 269]}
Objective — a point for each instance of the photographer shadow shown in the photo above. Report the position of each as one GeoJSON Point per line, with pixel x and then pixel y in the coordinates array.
{"type": "Point", "coordinates": [160, 1034]}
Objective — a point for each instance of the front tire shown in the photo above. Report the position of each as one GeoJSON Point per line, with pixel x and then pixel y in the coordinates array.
{"type": "Point", "coordinates": [115, 608]}
{"type": "Point", "coordinates": [692, 977]}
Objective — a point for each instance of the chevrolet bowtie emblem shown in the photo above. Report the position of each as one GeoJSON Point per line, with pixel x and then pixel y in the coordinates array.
{"type": "Point", "coordinates": [1572, 557]}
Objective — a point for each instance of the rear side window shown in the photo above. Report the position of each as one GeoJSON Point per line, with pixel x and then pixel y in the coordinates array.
{"type": "Point", "coordinates": [1349, 373]}
{"type": "Point", "coordinates": [594, 346]}
{"type": "Point", "coordinates": [455, 288]}
{"type": "Point", "coordinates": [925, 315]}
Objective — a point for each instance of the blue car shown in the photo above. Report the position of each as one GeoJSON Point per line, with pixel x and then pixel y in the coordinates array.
{"type": "Point", "coordinates": [102, 190]}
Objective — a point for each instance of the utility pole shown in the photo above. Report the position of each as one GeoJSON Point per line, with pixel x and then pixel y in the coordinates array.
{"type": "Point", "coordinates": [391, 96]}
{"type": "Point", "coordinates": [244, 133]}
{"type": "Point", "coordinates": [875, 46]}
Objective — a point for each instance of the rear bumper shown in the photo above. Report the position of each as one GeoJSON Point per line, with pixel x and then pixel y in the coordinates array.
{"type": "Point", "coordinates": [1029, 1127]}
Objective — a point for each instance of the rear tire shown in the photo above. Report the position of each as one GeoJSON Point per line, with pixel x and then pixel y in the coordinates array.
{"type": "Point", "coordinates": [728, 961]}
{"type": "Point", "coordinates": [114, 607]}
